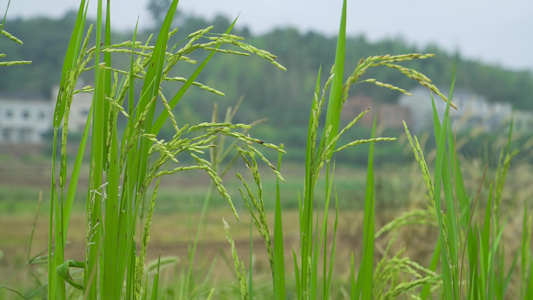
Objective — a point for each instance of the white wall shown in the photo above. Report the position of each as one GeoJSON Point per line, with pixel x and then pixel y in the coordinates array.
{"type": "Point", "coordinates": [472, 110]}
{"type": "Point", "coordinates": [24, 121]}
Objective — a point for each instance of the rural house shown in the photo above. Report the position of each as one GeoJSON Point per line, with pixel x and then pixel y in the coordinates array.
{"type": "Point", "coordinates": [474, 111]}
{"type": "Point", "coordinates": [24, 118]}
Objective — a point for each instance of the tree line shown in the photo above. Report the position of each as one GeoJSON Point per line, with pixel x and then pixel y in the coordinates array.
{"type": "Point", "coordinates": [283, 97]}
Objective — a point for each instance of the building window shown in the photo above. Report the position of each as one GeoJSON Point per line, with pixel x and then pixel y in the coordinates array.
{"type": "Point", "coordinates": [25, 115]}
{"type": "Point", "coordinates": [9, 113]}
{"type": "Point", "coordinates": [7, 134]}
{"type": "Point", "coordinates": [26, 135]}
{"type": "Point", "coordinates": [41, 115]}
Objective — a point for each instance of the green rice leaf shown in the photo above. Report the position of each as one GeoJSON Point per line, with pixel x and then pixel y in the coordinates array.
{"type": "Point", "coordinates": [529, 289]}
{"type": "Point", "coordinates": [63, 272]}
{"type": "Point", "coordinates": [448, 280]}
{"type": "Point", "coordinates": [364, 283]}
{"type": "Point", "coordinates": [71, 193]}
{"type": "Point", "coordinates": [155, 286]}
{"type": "Point", "coordinates": [279, 250]}
{"type": "Point", "coordinates": [297, 275]}
{"type": "Point", "coordinates": [69, 62]}
{"type": "Point", "coordinates": [250, 264]}
{"type": "Point", "coordinates": [335, 96]}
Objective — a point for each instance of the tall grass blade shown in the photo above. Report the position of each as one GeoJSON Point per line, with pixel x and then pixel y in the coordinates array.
{"type": "Point", "coordinates": [128, 220]}
{"type": "Point", "coordinates": [56, 286]}
{"type": "Point", "coordinates": [447, 263]}
{"type": "Point", "coordinates": [96, 186]}
{"type": "Point", "coordinates": [4, 19]}
{"type": "Point", "coordinates": [297, 277]}
{"type": "Point", "coordinates": [335, 96]}
{"type": "Point", "coordinates": [329, 277]}
{"type": "Point", "coordinates": [279, 250]}
{"type": "Point", "coordinates": [324, 234]}
{"type": "Point", "coordinates": [426, 289]}
{"type": "Point", "coordinates": [251, 263]}
{"type": "Point", "coordinates": [306, 206]}
{"type": "Point", "coordinates": [529, 289]}
{"type": "Point", "coordinates": [76, 169]}
{"type": "Point", "coordinates": [488, 266]}
{"type": "Point", "coordinates": [364, 285]}
{"type": "Point", "coordinates": [330, 130]}
{"type": "Point", "coordinates": [155, 286]}
{"type": "Point", "coordinates": [69, 62]}
{"type": "Point", "coordinates": [525, 254]}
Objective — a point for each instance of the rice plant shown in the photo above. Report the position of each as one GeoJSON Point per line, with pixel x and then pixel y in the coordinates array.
{"type": "Point", "coordinates": [470, 256]}
{"type": "Point", "coordinates": [125, 162]}
{"type": "Point", "coordinates": [313, 233]}
{"type": "Point", "coordinates": [469, 260]}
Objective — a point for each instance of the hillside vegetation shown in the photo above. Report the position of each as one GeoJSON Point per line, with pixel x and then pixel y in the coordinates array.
{"type": "Point", "coordinates": [264, 88]}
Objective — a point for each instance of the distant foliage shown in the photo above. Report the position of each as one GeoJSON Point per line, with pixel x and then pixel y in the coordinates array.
{"type": "Point", "coordinates": [265, 89]}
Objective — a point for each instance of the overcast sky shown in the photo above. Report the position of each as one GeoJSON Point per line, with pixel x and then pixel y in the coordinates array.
{"type": "Point", "coordinates": [497, 32]}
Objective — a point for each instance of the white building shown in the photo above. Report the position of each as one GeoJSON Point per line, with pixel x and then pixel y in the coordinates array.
{"type": "Point", "coordinates": [421, 108]}
{"type": "Point", "coordinates": [24, 118]}
{"type": "Point", "coordinates": [473, 111]}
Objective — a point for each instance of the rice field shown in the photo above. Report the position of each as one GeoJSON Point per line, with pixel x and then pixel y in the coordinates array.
{"type": "Point", "coordinates": [459, 233]}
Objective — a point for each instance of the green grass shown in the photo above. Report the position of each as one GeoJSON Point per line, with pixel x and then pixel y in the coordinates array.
{"type": "Point", "coordinates": [128, 165]}
{"type": "Point", "coordinates": [122, 172]}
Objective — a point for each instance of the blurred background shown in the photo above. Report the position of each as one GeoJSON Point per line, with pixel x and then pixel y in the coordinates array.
{"type": "Point", "coordinates": [489, 42]}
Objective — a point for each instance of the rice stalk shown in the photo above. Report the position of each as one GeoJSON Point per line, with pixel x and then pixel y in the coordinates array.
{"type": "Point", "coordinates": [237, 264]}
{"type": "Point", "coordinates": [123, 171]}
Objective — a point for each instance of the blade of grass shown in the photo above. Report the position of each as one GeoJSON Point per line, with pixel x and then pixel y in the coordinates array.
{"type": "Point", "coordinates": [297, 276]}
{"type": "Point", "coordinates": [471, 242]}
{"type": "Point", "coordinates": [127, 220]}
{"type": "Point", "coordinates": [69, 62]}
{"type": "Point", "coordinates": [5, 16]}
{"type": "Point", "coordinates": [150, 90]}
{"type": "Point", "coordinates": [335, 96]}
{"type": "Point", "coordinates": [155, 286]}
{"type": "Point", "coordinates": [426, 290]}
{"type": "Point", "coordinates": [74, 177]}
{"type": "Point", "coordinates": [56, 287]}
{"type": "Point", "coordinates": [525, 251]}
{"type": "Point", "coordinates": [488, 267]}
{"type": "Point", "coordinates": [529, 289]}
{"type": "Point", "coordinates": [306, 210]}
{"type": "Point", "coordinates": [324, 238]}
{"type": "Point", "coordinates": [363, 288]}
{"type": "Point", "coordinates": [447, 276]}
{"type": "Point", "coordinates": [96, 187]}
{"type": "Point", "coordinates": [333, 247]}
{"type": "Point", "coordinates": [331, 127]}
{"type": "Point", "coordinates": [250, 266]}
{"type": "Point", "coordinates": [279, 250]}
